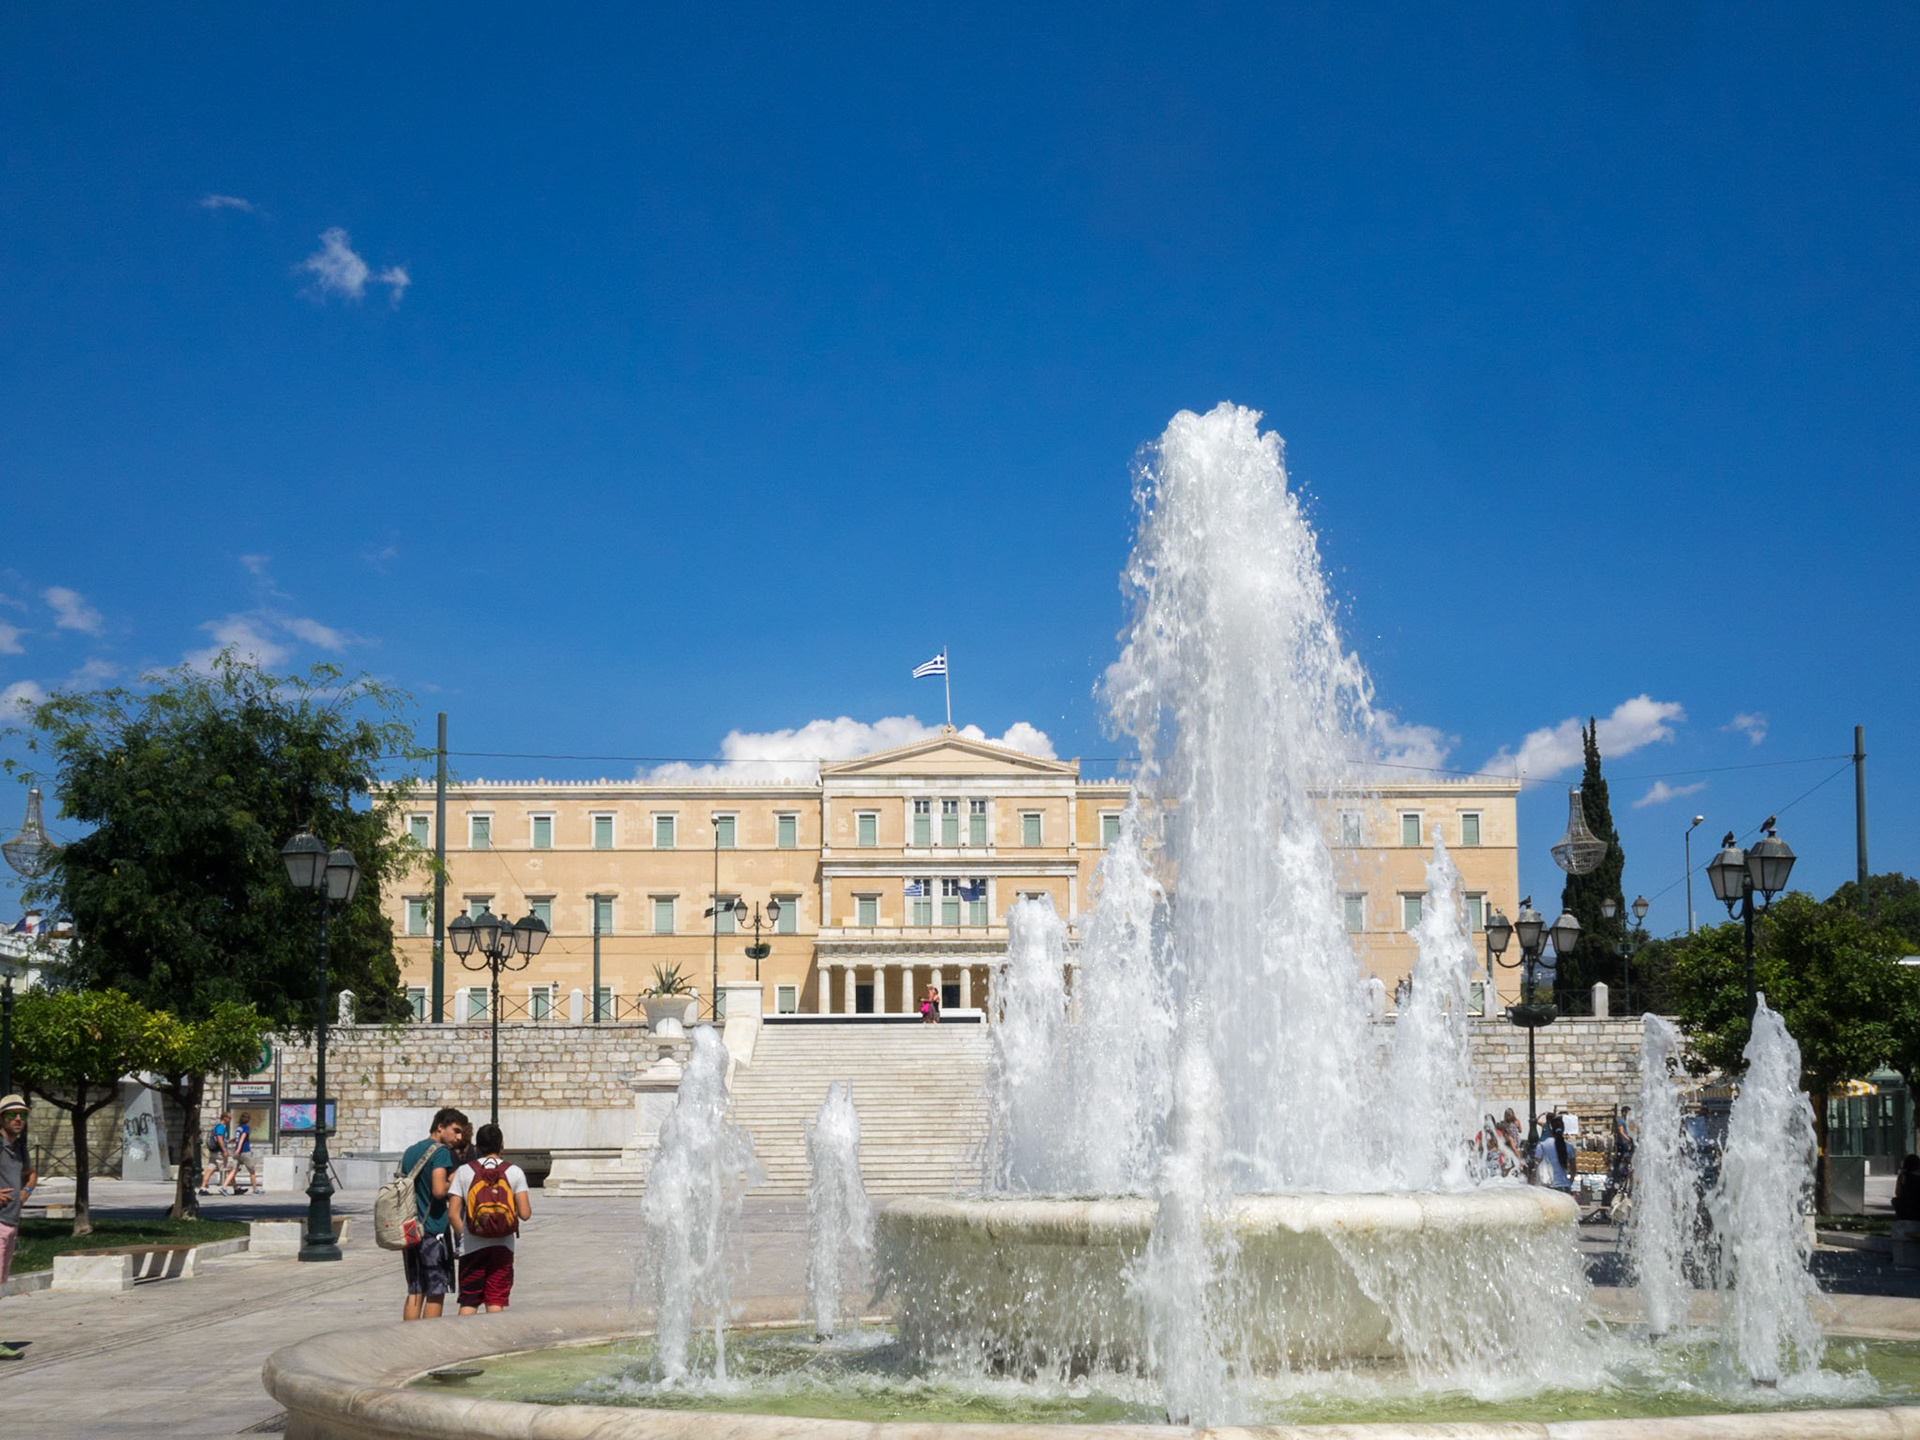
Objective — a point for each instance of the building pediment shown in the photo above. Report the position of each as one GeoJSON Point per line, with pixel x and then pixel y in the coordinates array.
{"type": "Point", "coordinates": [945, 755]}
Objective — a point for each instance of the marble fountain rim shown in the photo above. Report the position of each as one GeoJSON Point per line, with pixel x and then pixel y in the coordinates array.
{"type": "Point", "coordinates": [353, 1385]}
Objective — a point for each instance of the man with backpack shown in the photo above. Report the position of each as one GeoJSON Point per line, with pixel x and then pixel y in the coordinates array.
{"type": "Point", "coordinates": [489, 1202]}
{"type": "Point", "coordinates": [429, 1264]}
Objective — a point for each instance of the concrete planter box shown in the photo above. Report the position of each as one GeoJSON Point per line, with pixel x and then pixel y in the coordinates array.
{"type": "Point", "coordinates": [93, 1274]}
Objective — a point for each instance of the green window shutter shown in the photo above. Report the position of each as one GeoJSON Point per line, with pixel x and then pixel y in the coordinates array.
{"type": "Point", "coordinates": [723, 827]}
{"type": "Point", "coordinates": [867, 829]}
{"type": "Point", "coordinates": [1109, 830]}
{"type": "Point", "coordinates": [1469, 829]}
{"type": "Point", "coordinates": [543, 832]}
{"type": "Point", "coordinates": [787, 832]}
{"type": "Point", "coordinates": [1029, 829]}
{"type": "Point", "coordinates": [789, 922]}
{"type": "Point", "coordinates": [663, 832]}
{"type": "Point", "coordinates": [603, 832]}
{"type": "Point", "coordinates": [1409, 829]}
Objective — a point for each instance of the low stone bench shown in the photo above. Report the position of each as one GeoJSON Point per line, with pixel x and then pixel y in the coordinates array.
{"type": "Point", "coordinates": [121, 1267]}
{"type": "Point", "coordinates": [284, 1237]}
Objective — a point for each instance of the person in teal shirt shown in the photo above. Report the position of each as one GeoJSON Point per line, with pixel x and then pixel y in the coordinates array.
{"type": "Point", "coordinates": [429, 1265]}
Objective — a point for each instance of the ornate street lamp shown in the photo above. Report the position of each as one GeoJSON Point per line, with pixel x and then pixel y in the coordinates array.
{"type": "Point", "coordinates": [333, 877]}
{"type": "Point", "coordinates": [1532, 1012]}
{"type": "Point", "coordinates": [757, 951]}
{"type": "Point", "coordinates": [1738, 875]}
{"type": "Point", "coordinates": [487, 942]}
{"type": "Point", "coordinates": [1610, 907]}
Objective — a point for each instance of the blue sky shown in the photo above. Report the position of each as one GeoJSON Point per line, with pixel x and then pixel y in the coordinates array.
{"type": "Point", "coordinates": [675, 372]}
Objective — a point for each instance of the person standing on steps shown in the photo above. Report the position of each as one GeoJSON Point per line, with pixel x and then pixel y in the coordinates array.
{"type": "Point", "coordinates": [930, 1006]}
{"type": "Point", "coordinates": [489, 1202]}
{"type": "Point", "coordinates": [429, 1265]}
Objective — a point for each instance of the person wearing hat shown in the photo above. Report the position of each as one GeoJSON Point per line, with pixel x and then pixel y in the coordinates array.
{"type": "Point", "coordinates": [16, 1183]}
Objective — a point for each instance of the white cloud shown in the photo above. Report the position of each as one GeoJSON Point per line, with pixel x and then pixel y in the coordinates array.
{"type": "Point", "coordinates": [1750, 723]}
{"type": "Point", "coordinates": [795, 755]}
{"type": "Point", "coordinates": [337, 269]}
{"type": "Point", "coordinates": [70, 610]}
{"type": "Point", "coordinates": [249, 636]}
{"type": "Point", "coordinates": [1555, 749]}
{"type": "Point", "coordinates": [226, 202]}
{"type": "Point", "coordinates": [18, 694]}
{"type": "Point", "coordinates": [1402, 746]}
{"type": "Point", "coordinates": [10, 640]}
{"type": "Point", "coordinates": [313, 632]}
{"type": "Point", "coordinates": [1661, 792]}
{"type": "Point", "coordinates": [256, 564]}
{"type": "Point", "coordinates": [93, 672]}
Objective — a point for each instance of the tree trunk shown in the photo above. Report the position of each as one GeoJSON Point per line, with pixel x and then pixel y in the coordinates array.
{"type": "Point", "coordinates": [82, 1196]}
{"type": "Point", "coordinates": [186, 1187]}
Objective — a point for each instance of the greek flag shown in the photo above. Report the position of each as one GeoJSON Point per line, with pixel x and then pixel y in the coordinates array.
{"type": "Point", "coordinates": [916, 889]}
{"type": "Point", "coordinates": [935, 666]}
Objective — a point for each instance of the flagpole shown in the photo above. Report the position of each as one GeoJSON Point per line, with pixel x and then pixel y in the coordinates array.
{"type": "Point", "coordinates": [946, 679]}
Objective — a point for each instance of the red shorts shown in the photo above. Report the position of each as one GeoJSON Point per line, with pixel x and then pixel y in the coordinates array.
{"type": "Point", "coordinates": [486, 1277]}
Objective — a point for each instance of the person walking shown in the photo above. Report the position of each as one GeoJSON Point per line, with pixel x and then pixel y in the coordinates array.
{"type": "Point", "coordinates": [489, 1202]}
{"type": "Point", "coordinates": [429, 1265]}
{"type": "Point", "coordinates": [240, 1156]}
{"type": "Point", "coordinates": [1555, 1156]}
{"type": "Point", "coordinates": [930, 1006]}
{"type": "Point", "coordinates": [16, 1183]}
{"type": "Point", "coordinates": [216, 1154]}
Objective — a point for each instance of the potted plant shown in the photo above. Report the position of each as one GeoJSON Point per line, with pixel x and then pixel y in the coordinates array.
{"type": "Point", "coordinates": [670, 1002]}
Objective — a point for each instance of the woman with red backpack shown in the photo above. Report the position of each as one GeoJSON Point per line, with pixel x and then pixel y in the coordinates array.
{"type": "Point", "coordinates": [489, 1200]}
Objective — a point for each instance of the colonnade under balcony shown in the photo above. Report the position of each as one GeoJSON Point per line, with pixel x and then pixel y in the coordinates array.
{"type": "Point", "coordinates": [897, 985]}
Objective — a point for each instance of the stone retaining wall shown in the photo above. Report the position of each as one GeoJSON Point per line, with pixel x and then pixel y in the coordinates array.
{"type": "Point", "coordinates": [1584, 1064]}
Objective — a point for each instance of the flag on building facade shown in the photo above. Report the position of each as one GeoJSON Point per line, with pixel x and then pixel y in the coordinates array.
{"type": "Point", "coordinates": [916, 889]}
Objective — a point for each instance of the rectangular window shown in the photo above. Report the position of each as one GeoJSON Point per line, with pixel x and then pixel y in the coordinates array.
{"type": "Point", "coordinates": [1030, 827]}
{"type": "Point", "coordinates": [866, 910]}
{"type": "Point", "coordinates": [663, 832]}
{"type": "Point", "coordinates": [477, 1003]}
{"type": "Point", "coordinates": [543, 832]}
{"type": "Point", "coordinates": [1356, 908]}
{"type": "Point", "coordinates": [477, 905]}
{"type": "Point", "coordinates": [419, 829]}
{"type": "Point", "coordinates": [723, 829]}
{"type": "Point", "coordinates": [603, 832]}
{"type": "Point", "coordinates": [663, 914]}
{"type": "Point", "coordinates": [976, 822]}
{"type": "Point", "coordinates": [723, 915]}
{"type": "Point", "coordinates": [542, 910]}
{"type": "Point", "coordinates": [923, 822]}
{"type": "Point", "coordinates": [866, 828]}
{"type": "Point", "coordinates": [419, 914]}
{"type": "Point", "coordinates": [949, 902]}
{"type": "Point", "coordinates": [786, 999]}
{"type": "Point", "coordinates": [1477, 998]}
{"type": "Point", "coordinates": [417, 1001]}
{"type": "Point", "coordinates": [603, 1003]}
{"type": "Point", "coordinates": [786, 831]}
{"type": "Point", "coordinates": [1470, 828]}
{"type": "Point", "coordinates": [921, 908]}
{"type": "Point", "coordinates": [1109, 830]}
{"type": "Point", "coordinates": [976, 898]}
{"type": "Point", "coordinates": [1410, 910]}
{"type": "Point", "coordinates": [1350, 833]}
{"type": "Point", "coordinates": [1476, 912]}
{"type": "Point", "coordinates": [540, 1003]}
{"type": "Point", "coordinates": [789, 921]}
{"type": "Point", "coordinates": [479, 832]}
{"type": "Point", "coordinates": [1410, 829]}
{"type": "Point", "coordinates": [949, 822]}
{"type": "Point", "coordinates": [603, 915]}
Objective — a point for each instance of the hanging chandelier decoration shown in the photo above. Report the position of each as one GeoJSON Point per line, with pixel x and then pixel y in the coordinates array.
{"type": "Point", "coordinates": [1579, 851]}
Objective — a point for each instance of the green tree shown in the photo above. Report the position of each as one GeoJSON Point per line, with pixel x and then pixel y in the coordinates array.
{"type": "Point", "coordinates": [184, 1053]}
{"type": "Point", "coordinates": [71, 1047]}
{"type": "Point", "coordinates": [189, 786]}
{"type": "Point", "coordinates": [1893, 903]}
{"type": "Point", "coordinates": [1597, 956]}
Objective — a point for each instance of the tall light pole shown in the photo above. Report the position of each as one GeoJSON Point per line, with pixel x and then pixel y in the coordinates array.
{"type": "Point", "coordinates": [1610, 907]}
{"type": "Point", "coordinates": [1532, 1012]}
{"type": "Point", "coordinates": [1738, 875]}
{"type": "Point", "coordinates": [333, 876]}
{"type": "Point", "coordinates": [757, 951]}
{"type": "Point", "coordinates": [1698, 821]}
{"type": "Point", "coordinates": [501, 946]}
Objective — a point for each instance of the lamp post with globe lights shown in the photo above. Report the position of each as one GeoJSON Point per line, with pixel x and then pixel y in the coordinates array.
{"type": "Point", "coordinates": [1532, 1012]}
{"type": "Point", "coordinates": [333, 876]}
{"type": "Point", "coordinates": [1610, 907]}
{"type": "Point", "coordinates": [1738, 875]}
{"type": "Point", "coordinates": [760, 920]}
{"type": "Point", "coordinates": [488, 942]}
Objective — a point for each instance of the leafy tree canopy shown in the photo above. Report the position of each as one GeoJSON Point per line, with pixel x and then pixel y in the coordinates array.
{"type": "Point", "coordinates": [190, 786]}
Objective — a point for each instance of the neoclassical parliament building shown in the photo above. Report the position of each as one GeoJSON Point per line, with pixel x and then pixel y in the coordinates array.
{"type": "Point", "coordinates": [893, 872]}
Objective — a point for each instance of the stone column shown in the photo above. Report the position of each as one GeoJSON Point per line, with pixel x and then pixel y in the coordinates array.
{"type": "Point", "coordinates": [846, 993]}
{"type": "Point", "coordinates": [576, 1007]}
{"type": "Point", "coordinates": [933, 978]}
{"type": "Point", "coordinates": [966, 986]}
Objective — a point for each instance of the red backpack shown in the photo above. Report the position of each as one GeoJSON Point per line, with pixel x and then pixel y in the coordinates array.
{"type": "Point", "coordinates": [491, 1213]}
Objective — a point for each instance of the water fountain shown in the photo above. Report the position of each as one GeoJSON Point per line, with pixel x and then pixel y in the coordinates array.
{"type": "Point", "coordinates": [1662, 1229]}
{"type": "Point", "coordinates": [1191, 1206]}
{"type": "Point", "coordinates": [700, 1175]}
{"type": "Point", "coordinates": [839, 1218]}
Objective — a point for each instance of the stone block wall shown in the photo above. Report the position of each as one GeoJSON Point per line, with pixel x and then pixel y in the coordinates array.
{"type": "Point", "coordinates": [1583, 1064]}
{"type": "Point", "coordinates": [543, 1066]}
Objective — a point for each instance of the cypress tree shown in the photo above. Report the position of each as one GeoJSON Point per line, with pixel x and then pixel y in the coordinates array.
{"type": "Point", "coordinates": [1597, 956]}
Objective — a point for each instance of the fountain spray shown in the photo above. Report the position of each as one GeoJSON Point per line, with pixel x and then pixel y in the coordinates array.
{"type": "Point", "coordinates": [839, 1217]}
{"type": "Point", "coordinates": [701, 1172]}
{"type": "Point", "coordinates": [1662, 1231]}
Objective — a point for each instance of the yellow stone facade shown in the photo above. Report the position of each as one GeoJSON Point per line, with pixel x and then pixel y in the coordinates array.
{"type": "Point", "coordinates": [895, 871]}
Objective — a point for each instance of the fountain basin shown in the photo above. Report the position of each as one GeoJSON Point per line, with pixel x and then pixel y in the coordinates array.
{"type": "Point", "coordinates": [1041, 1284]}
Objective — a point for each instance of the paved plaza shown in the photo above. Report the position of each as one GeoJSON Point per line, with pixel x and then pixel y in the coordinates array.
{"type": "Point", "coordinates": [183, 1357]}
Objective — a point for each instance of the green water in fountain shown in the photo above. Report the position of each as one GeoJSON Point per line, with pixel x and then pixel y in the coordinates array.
{"type": "Point", "coordinates": [865, 1375]}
